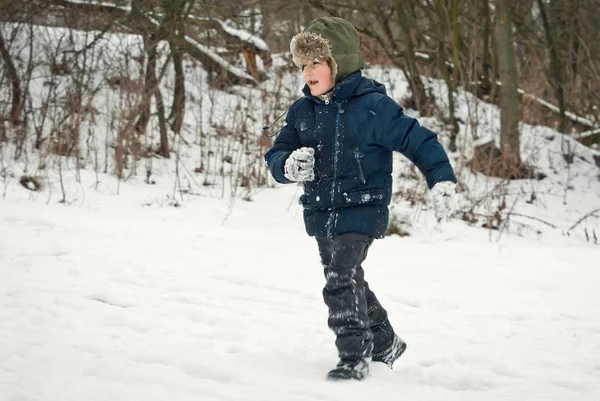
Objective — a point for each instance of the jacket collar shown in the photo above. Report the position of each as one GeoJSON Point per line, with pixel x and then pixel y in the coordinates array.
{"type": "Point", "coordinates": [342, 91]}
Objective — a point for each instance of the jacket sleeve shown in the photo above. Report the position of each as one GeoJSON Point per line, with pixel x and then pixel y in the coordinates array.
{"type": "Point", "coordinates": [396, 131]}
{"type": "Point", "coordinates": [287, 141]}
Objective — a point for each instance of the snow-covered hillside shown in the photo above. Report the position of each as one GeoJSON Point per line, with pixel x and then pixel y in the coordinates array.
{"type": "Point", "coordinates": [221, 132]}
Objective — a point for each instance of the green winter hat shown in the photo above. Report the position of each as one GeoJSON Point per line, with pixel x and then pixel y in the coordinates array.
{"type": "Point", "coordinates": [329, 39]}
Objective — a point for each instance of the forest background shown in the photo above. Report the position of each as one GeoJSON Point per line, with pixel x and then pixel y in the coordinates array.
{"type": "Point", "coordinates": [116, 87]}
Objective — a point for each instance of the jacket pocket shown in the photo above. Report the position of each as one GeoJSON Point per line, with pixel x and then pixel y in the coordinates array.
{"type": "Point", "coordinates": [364, 197]}
{"type": "Point", "coordinates": [361, 173]}
{"type": "Point", "coordinates": [316, 195]}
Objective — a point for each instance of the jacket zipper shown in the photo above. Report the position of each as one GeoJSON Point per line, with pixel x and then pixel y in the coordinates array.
{"type": "Point", "coordinates": [332, 217]}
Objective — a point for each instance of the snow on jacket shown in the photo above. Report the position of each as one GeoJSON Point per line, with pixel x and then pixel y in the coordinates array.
{"type": "Point", "coordinates": [354, 135]}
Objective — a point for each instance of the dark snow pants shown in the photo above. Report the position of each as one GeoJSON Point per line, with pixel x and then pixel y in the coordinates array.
{"type": "Point", "coordinates": [355, 315]}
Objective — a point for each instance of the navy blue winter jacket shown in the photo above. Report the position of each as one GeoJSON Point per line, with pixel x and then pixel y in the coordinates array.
{"type": "Point", "coordinates": [353, 136]}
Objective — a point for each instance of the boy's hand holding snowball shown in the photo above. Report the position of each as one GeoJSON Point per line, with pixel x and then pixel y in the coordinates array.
{"type": "Point", "coordinates": [444, 199]}
{"type": "Point", "coordinates": [300, 165]}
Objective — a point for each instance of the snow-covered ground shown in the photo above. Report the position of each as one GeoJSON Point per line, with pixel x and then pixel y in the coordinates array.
{"type": "Point", "coordinates": [126, 298]}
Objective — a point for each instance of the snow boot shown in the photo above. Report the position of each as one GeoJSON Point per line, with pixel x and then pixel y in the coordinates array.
{"type": "Point", "coordinates": [350, 370]}
{"type": "Point", "coordinates": [390, 355]}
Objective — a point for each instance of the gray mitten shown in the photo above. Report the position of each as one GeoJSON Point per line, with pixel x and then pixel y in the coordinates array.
{"type": "Point", "coordinates": [300, 165]}
{"type": "Point", "coordinates": [444, 198]}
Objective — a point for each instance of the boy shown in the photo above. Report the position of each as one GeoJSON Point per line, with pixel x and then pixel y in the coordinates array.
{"type": "Point", "coordinates": [338, 139]}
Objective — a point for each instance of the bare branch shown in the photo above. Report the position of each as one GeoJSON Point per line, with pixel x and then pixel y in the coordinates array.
{"type": "Point", "coordinates": [589, 214]}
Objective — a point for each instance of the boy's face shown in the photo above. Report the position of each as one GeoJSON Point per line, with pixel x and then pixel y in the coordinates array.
{"type": "Point", "coordinates": [317, 76]}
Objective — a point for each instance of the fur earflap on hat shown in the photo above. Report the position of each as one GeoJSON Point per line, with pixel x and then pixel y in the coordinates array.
{"type": "Point", "coordinates": [308, 47]}
{"type": "Point", "coordinates": [330, 39]}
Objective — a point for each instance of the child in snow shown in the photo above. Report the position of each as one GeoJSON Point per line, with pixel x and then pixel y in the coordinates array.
{"type": "Point", "coordinates": [338, 140]}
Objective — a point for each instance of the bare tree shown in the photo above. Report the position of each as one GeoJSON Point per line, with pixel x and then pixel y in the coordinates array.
{"type": "Point", "coordinates": [176, 12]}
{"type": "Point", "coordinates": [485, 67]}
{"type": "Point", "coordinates": [405, 16]}
{"type": "Point", "coordinates": [556, 73]}
{"type": "Point", "coordinates": [509, 96]}
{"type": "Point", "coordinates": [11, 71]}
{"type": "Point", "coordinates": [445, 29]}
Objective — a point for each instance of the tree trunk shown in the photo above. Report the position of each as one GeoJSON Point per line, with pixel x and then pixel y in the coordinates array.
{"type": "Point", "coordinates": [555, 67]}
{"type": "Point", "coordinates": [456, 44]}
{"type": "Point", "coordinates": [443, 17]}
{"type": "Point", "coordinates": [175, 26]}
{"type": "Point", "coordinates": [509, 96]}
{"type": "Point", "coordinates": [162, 125]}
{"type": "Point", "coordinates": [152, 88]}
{"type": "Point", "coordinates": [178, 107]}
{"type": "Point", "coordinates": [307, 14]}
{"type": "Point", "coordinates": [574, 80]}
{"type": "Point", "coordinates": [150, 41]}
{"type": "Point", "coordinates": [149, 85]}
{"type": "Point", "coordinates": [451, 85]}
{"type": "Point", "coordinates": [265, 14]}
{"type": "Point", "coordinates": [485, 78]}
{"type": "Point", "coordinates": [13, 76]}
{"type": "Point", "coordinates": [416, 85]}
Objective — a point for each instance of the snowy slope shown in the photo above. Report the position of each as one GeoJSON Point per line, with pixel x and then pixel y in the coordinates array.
{"type": "Point", "coordinates": [534, 207]}
{"type": "Point", "coordinates": [123, 298]}
{"type": "Point", "coordinates": [226, 126]}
